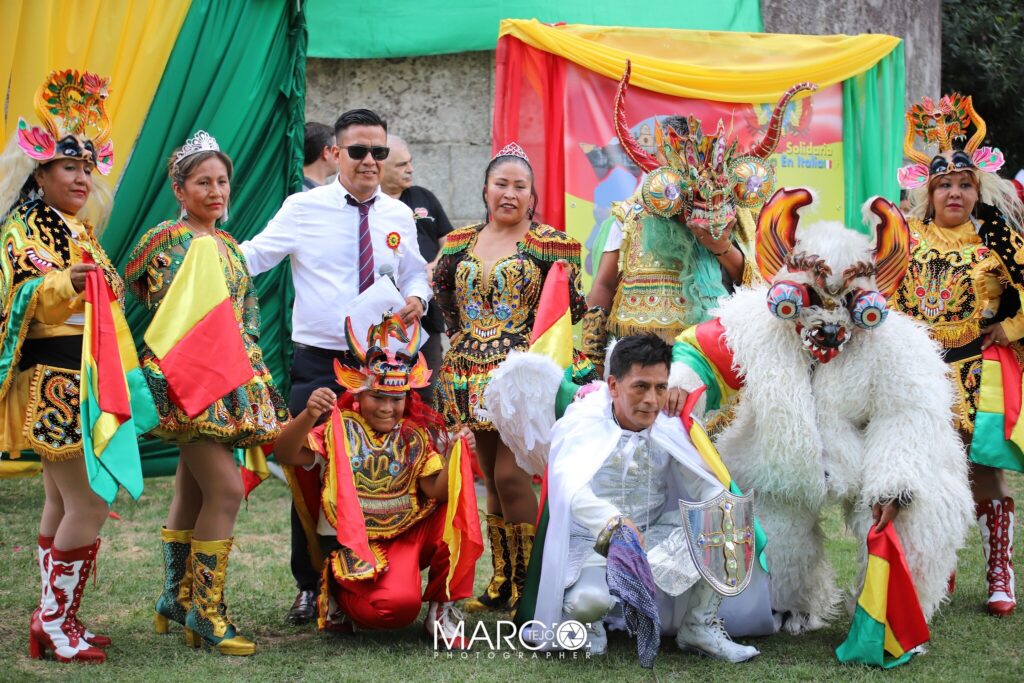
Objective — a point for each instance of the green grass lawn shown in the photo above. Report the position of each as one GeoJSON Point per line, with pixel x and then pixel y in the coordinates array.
{"type": "Point", "coordinates": [967, 645]}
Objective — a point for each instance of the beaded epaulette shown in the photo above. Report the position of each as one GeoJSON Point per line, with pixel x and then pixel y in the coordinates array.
{"type": "Point", "coordinates": [458, 240]}
{"type": "Point", "coordinates": [167, 235]}
{"type": "Point", "coordinates": [548, 244]}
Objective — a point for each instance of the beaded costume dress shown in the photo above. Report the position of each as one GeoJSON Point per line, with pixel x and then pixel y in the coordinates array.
{"type": "Point", "coordinates": [489, 317]}
{"type": "Point", "coordinates": [253, 413]}
{"type": "Point", "coordinates": [650, 297]}
{"type": "Point", "coordinates": [960, 280]}
{"type": "Point", "coordinates": [41, 329]}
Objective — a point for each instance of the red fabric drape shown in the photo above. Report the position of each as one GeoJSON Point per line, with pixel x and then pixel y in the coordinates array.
{"type": "Point", "coordinates": [529, 109]}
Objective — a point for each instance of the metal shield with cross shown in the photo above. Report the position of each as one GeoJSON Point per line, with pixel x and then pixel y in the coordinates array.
{"type": "Point", "coordinates": [720, 536]}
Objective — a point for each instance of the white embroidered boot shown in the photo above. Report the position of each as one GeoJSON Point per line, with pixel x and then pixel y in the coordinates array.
{"type": "Point", "coordinates": [703, 632]}
{"type": "Point", "coordinates": [995, 522]}
{"type": "Point", "coordinates": [57, 627]}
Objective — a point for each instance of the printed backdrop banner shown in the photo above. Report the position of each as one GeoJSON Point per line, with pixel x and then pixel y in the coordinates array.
{"type": "Point", "coordinates": [555, 88]}
{"type": "Point", "coordinates": [598, 172]}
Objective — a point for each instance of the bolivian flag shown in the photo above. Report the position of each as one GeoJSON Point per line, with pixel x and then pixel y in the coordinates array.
{"type": "Point", "coordinates": [252, 463]}
{"type": "Point", "coordinates": [552, 331]}
{"type": "Point", "coordinates": [195, 335]}
{"type": "Point", "coordinates": [998, 430]}
{"type": "Point", "coordinates": [115, 401]}
{"type": "Point", "coordinates": [704, 350]}
{"type": "Point", "coordinates": [462, 532]}
{"type": "Point", "coordinates": [888, 623]}
{"type": "Point", "coordinates": [552, 337]}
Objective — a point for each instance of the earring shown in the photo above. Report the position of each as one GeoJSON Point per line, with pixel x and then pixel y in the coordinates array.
{"type": "Point", "coordinates": [530, 212]}
{"type": "Point", "coordinates": [224, 218]}
{"type": "Point", "coordinates": [39, 193]}
{"type": "Point", "coordinates": [183, 214]}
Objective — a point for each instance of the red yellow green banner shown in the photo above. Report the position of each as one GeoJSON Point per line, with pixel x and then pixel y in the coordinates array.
{"type": "Point", "coordinates": [462, 532]}
{"type": "Point", "coordinates": [888, 623]}
{"type": "Point", "coordinates": [195, 317]}
{"type": "Point", "coordinates": [115, 401]}
{"type": "Point", "coordinates": [998, 439]}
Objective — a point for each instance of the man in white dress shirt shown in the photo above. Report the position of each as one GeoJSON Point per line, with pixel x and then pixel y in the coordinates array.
{"type": "Point", "coordinates": [339, 237]}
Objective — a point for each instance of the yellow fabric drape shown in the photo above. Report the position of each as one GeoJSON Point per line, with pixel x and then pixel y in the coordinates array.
{"type": "Point", "coordinates": [129, 41]}
{"type": "Point", "coordinates": [707, 65]}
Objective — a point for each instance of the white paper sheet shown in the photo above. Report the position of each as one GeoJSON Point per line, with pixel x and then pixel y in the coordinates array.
{"type": "Point", "coordinates": [369, 307]}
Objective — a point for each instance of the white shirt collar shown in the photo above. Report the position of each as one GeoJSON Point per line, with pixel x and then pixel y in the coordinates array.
{"type": "Point", "coordinates": [344, 192]}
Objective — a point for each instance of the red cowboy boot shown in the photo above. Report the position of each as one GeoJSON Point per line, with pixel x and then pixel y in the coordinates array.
{"type": "Point", "coordinates": [995, 521]}
{"type": "Point", "coordinates": [57, 627]}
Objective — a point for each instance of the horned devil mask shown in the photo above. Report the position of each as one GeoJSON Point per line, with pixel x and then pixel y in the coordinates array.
{"type": "Point", "coordinates": [707, 177]}
{"type": "Point", "coordinates": [830, 281]}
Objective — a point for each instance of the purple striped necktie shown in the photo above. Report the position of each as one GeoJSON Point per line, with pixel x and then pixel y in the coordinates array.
{"type": "Point", "coordinates": [365, 243]}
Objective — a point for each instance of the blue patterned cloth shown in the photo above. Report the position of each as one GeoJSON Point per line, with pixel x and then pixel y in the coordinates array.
{"type": "Point", "coordinates": [630, 580]}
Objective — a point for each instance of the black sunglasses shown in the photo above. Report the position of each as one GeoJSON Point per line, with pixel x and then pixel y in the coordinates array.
{"type": "Point", "coordinates": [358, 152]}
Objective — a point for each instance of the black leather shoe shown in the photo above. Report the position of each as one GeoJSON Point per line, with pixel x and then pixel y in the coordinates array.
{"type": "Point", "coordinates": [303, 609]}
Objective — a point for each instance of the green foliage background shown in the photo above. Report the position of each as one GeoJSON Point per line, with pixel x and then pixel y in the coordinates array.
{"type": "Point", "coordinates": [983, 56]}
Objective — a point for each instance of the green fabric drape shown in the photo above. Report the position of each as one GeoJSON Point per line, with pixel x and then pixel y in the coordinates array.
{"type": "Point", "coordinates": [873, 134]}
{"type": "Point", "coordinates": [410, 28]}
{"type": "Point", "coordinates": [238, 71]}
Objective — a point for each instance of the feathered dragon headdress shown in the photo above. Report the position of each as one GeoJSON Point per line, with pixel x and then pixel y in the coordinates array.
{"type": "Point", "coordinates": [941, 124]}
{"type": "Point", "coordinates": [71, 106]}
{"type": "Point", "coordinates": [384, 370]}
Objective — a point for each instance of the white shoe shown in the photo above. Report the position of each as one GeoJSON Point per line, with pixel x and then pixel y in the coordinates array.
{"type": "Point", "coordinates": [445, 625]}
{"type": "Point", "coordinates": [597, 638]}
{"type": "Point", "coordinates": [703, 632]}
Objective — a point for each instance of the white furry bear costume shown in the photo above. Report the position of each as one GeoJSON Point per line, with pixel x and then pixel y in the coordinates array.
{"type": "Point", "coordinates": [833, 405]}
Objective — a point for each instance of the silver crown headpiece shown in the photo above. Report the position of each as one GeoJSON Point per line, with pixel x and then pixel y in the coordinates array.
{"type": "Point", "coordinates": [512, 149]}
{"type": "Point", "coordinates": [200, 142]}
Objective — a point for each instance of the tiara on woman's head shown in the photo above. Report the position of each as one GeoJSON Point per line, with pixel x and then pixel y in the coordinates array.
{"type": "Point", "coordinates": [200, 142]}
{"type": "Point", "coordinates": [512, 149]}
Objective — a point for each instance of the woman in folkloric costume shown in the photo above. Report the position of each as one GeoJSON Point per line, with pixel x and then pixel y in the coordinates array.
{"type": "Point", "coordinates": [45, 182]}
{"type": "Point", "coordinates": [965, 282]}
{"type": "Point", "coordinates": [208, 491]}
{"type": "Point", "coordinates": [488, 283]}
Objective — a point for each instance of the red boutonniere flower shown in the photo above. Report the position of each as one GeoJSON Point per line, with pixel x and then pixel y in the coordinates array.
{"type": "Point", "coordinates": [394, 239]}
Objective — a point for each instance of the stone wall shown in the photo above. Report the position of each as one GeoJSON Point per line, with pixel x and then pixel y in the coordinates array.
{"type": "Point", "coordinates": [443, 105]}
{"type": "Point", "coordinates": [917, 22]}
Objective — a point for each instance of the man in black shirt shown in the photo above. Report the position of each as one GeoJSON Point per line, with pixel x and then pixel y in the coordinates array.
{"type": "Point", "coordinates": [431, 227]}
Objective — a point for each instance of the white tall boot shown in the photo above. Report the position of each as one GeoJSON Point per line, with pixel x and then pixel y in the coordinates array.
{"type": "Point", "coordinates": [702, 631]}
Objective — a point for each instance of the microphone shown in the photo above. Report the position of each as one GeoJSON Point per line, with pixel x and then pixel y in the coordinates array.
{"type": "Point", "coordinates": [387, 270]}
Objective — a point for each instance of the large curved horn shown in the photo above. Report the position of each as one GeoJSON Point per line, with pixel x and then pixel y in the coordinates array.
{"type": "Point", "coordinates": [979, 128]}
{"type": "Point", "coordinates": [772, 136]}
{"type": "Point", "coordinates": [776, 229]}
{"type": "Point", "coordinates": [892, 243]}
{"type": "Point", "coordinates": [354, 346]}
{"type": "Point", "coordinates": [633, 150]}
